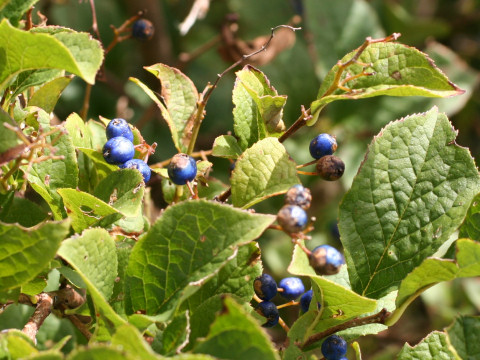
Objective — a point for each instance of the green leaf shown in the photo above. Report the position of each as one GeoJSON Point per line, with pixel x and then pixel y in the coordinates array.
{"type": "Point", "coordinates": [22, 211]}
{"type": "Point", "coordinates": [47, 96]}
{"type": "Point", "coordinates": [471, 226]}
{"type": "Point", "coordinates": [262, 171]}
{"type": "Point", "coordinates": [180, 96]}
{"type": "Point", "coordinates": [30, 78]}
{"type": "Point", "coordinates": [25, 252]}
{"type": "Point", "coordinates": [411, 193]}
{"type": "Point", "coordinates": [434, 270]}
{"type": "Point", "coordinates": [236, 335]}
{"type": "Point", "coordinates": [226, 146]}
{"type": "Point", "coordinates": [14, 9]}
{"type": "Point", "coordinates": [463, 336]}
{"type": "Point", "coordinates": [75, 52]}
{"type": "Point", "coordinates": [79, 132]}
{"type": "Point", "coordinates": [175, 335]}
{"type": "Point", "coordinates": [130, 340]}
{"type": "Point", "coordinates": [93, 255]}
{"type": "Point", "coordinates": [187, 245]}
{"type": "Point", "coordinates": [434, 346]}
{"type": "Point", "coordinates": [101, 352]}
{"type": "Point", "coordinates": [8, 138]}
{"type": "Point", "coordinates": [165, 114]}
{"type": "Point", "coordinates": [397, 70]}
{"type": "Point", "coordinates": [86, 210]}
{"type": "Point", "coordinates": [15, 345]}
{"type": "Point", "coordinates": [103, 168]}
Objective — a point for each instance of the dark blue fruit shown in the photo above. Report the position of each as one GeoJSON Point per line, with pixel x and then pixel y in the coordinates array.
{"type": "Point", "coordinates": [269, 310]}
{"type": "Point", "coordinates": [292, 218]}
{"type": "Point", "coordinates": [140, 165]}
{"type": "Point", "coordinates": [321, 145]}
{"type": "Point", "coordinates": [334, 347]}
{"type": "Point", "coordinates": [330, 167]}
{"type": "Point", "coordinates": [292, 288]}
{"type": "Point", "coordinates": [118, 150]}
{"type": "Point", "coordinates": [299, 195]}
{"type": "Point", "coordinates": [326, 260]}
{"type": "Point", "coordinates": [265, 287]}
{"type": "Point", "coordinates": [143, 29]}
{"type": "Point", "coordinates": [305, 300]}
{"type": "Point", "coordinates": [119, 127]}
{"type": "Point", "coordinates": [182, 169]}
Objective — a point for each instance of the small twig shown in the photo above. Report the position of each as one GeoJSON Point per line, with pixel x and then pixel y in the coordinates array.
{"type": "Point", "coordinates": [283, 325]}
{"type": "Point", "coordinates": [44, 308]}
{"type": "Point", "coordinates": [184, 58]}
{"type": "Point", "coordinates": [80, 326]}
{"type": "Point", "coordinates": [225, 195]}
{"type": "Point", "coordinates": [29, 23]}
{"type": "Point", "coordinates": [287, 304]}
{"type": "Point", "coordinates": [300, 122]}
{"type": "Point", "coordinates": [86, 102]}
{"type": "Point", "coordinates": [307, 164]}
{"type": "Point", "coordinates": [378, 318]}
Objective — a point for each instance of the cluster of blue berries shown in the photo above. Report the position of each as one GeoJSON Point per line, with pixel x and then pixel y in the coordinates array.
{"type": "Point", "coordinates": [119, 148]}
{"type": "Point", "coordinates": [329, 167]}
{"type": "Point", "coordinates": [290, 288]}
{"type": "Point", "coordinates": [292, 216]}
{"type": "Point", "coordinates": [334, 348]}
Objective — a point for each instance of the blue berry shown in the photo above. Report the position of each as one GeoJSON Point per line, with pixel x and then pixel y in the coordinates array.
{"type": "Point", "coordinates": [118, 150]}
{"type": "Point", "coordinates": [265, 287]}
{"type": "Point", "coordinates": [269, 310]}
{"type": "Point", "coordinates": [330, 167]}
{"type": "Point", "coordinates": [326, 260]}
{"type": "Point", "coordinates": [299, 195]}
{"type": "Point", "coordinates": [292, 218]}
{"type": "Point", "coordinates": [305, 300]}
{"type": "Point", "coordinates": [140, 165]}
{"type": "Point", "coordinates": [292, 288]}
{"type": "Point", "coordinates": [334, 347]}
{"type": "Point", "coordinates": [143, 29]}
{"type": "Point", "coordinates": [182, 169]}
{"type": "Point", "coordinates": [321, 145]}
{"type": "Point", "coordinates": [119, 127]}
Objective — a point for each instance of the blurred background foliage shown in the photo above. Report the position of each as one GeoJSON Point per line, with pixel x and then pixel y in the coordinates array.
{"type": "Point", "coordinates": [448, 31]}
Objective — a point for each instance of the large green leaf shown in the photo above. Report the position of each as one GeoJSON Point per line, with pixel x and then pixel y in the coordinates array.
{"type": "Point", "coordinates": [22, 211]}
{"type": "Point", "coordinates": [75, 52]}
{"type": "Point", "coordinates": [226, 146]}
{"type": "Point", "coordinates": [471, 226]}
{"type": "Point", "coordinates": [187, 246]}
{"type": "Point", "coordinates": [180, 96]}
{"type": "Point", "coordinates": [463, 336]}
{"type": "Point", "coordinates": [434, 347]}
{"type": "Point", "coordinates": [14, 9]}
{"type": "Point", "coordinates": [411, 193]}
{"type": "Point", "coordinates": [236, 335]}
{"type": "Point", "coordinates": [262, 171]}
{"type": "Point", "coordinates": [396, 70]}
{"type": "Point", "coordinates": [14, 344]}
{"type": "Point", "coordinates": [93, 255]}
{"type": "Point", "coordinates": [433, 271]}
{"type": "Point", "coordinates": [25, 252]}
{"type": "Point", "coordinates": [47, 96]}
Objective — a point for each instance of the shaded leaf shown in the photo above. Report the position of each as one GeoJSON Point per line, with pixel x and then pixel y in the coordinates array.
{"type": "Point", "coordinates": [14, 344]}
{"type": "Point", "coordinates": [410, 195]}
{"type": "Point", "coordinates": [130, 340]}
{"type": "Point", "coordinates": [262, 171]}
{"type": "Point", "coordinates": [471, 226]}
{"type": "Point", "coordinates": [226, 146]}
{"type": "Point", "coordinates": [434, 346]}
{"type": "Point", "coordinates": [30, 78]}
{"type": "Point", "coordinates": [8, 139]}
{"type": "Point", "coordinates": [13, 10]}
{"type": "Point", "coordinates": [47, 96]}
{"type": "Point", "coordinates": [25, 252]}
{"type": "Point", "coordinates": [463, 336]}
{"type": "Point", "coordinates": [21, 211]}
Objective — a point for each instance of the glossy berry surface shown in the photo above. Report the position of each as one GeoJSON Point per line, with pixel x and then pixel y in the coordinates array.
{"type": "Point", "coordinates": [326, 260]}
{"type": "Point", "coordinates": [330, 167]}
{"type": "Point", "coordinates": [119, 127]}
{"type": "Point", "coordinates": [321, 145]}
{"type": "Point", "coordinates": [299, 195]}
{"type": "Point", "coordinates": [265, 287]}
{"type": "Point", "coordinates": [269, 310]}
{"type": "Point", "coordinates": [182, 169]}
{"type": "Point", "coordinates": [334, 347]}
{"type": "Point", "coordinates": [140, 165]}
{"type": "Point", "coordinates": [143, 29]}
{"type": "Point", "coordinates": [118, 150]}
{"type": "Point", "coordinates": [292, 218]}
{"type": "Point", "coordinates": [305, 300]}
{"type": "Point", "coordinates": [292, 288]}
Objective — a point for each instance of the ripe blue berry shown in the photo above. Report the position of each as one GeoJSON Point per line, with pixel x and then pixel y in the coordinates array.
{"type": "Point", "coordinates": [292, 218]}
{"type": "Point", "coordinates": [299, 195]}
{"type": "Point", "coordinates": [119, 127]}
{"type": "Point", "coordinates": [118, 150]}
{"type": "Point", "coordinates": [143, 29]}
{"type": "Point", "coordinates": [265, 287]}
{"type": "Point", "coordinates": [334, 347]}
{"type": "Point", "coordinates": [292, 288]}
{"type": "Point", "coordinates": [305, 300]}
{"type": "Point", "coordinates": [182, 168]}
{"type": "Point", "coordinates": [330, 167]}
{"type": "Point", "coordinates": [140, 165]}
{"type": "Point", "coordinates": [326, 260]}
{"type": "Point", "coordinates": [269, 310]}
{"type": "Point", "coordinates": [321, 145]}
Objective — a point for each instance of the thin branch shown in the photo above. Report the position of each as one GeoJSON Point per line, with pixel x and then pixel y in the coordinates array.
{"type": "Point", "coordinates": [378, 318]}
{"type": "Point", "coordinates": [94, 20]}
{"type": "Point", "coordinates": [44, 308]}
